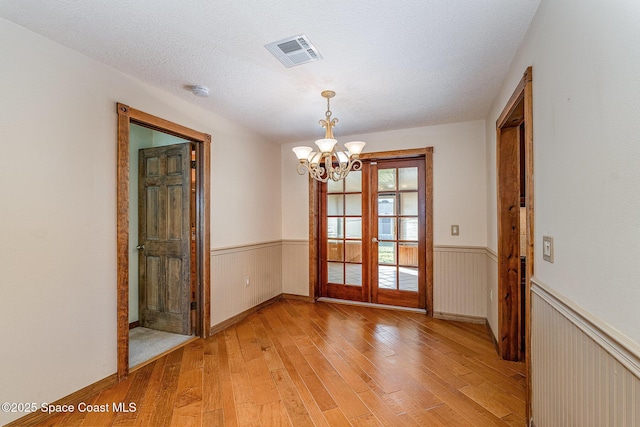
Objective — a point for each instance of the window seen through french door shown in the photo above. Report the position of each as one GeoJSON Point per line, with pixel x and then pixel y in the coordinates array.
{"type": "Point", "coordinates": [372, 237]}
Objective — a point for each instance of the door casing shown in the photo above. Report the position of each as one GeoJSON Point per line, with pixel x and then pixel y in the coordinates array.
{"type": "Point", "coordinates": [518, 111]}
{"type": "Point", "coordinates": [126, 116]}
{"type": "Point", "coordinates": [314, 223]}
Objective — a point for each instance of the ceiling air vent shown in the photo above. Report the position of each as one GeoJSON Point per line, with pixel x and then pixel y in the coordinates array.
{"type": "Point", "coordinates": [292, 51]}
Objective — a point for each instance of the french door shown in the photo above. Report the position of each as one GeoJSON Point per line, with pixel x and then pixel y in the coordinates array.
{"type": "Point", "coordinates": [373, 234]}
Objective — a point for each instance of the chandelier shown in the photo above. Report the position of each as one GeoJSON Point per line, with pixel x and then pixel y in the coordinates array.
{"type": "Point", "coordinates": [330, 162]}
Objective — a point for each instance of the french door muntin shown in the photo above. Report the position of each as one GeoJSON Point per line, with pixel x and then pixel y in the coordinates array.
{"type": "Point", "coordinates": [398, 249]}
{"type": "Point", "coordinates": [344, 230]}
{"type": "Point", "coordinates": [373, 230]}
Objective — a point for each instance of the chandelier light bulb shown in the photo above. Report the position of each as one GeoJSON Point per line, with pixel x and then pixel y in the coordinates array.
{"type": "Point", "coordinates": [329, 162]}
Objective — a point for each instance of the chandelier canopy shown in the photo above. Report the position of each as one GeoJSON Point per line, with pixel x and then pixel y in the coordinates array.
{"type": "Point", "coordinates": [330, 162]}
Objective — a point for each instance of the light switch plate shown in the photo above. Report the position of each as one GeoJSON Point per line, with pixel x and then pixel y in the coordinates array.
{"type": "Point", "coordinates": [547, 248]}
{"type": "Point", "coordinates": [455, 230]}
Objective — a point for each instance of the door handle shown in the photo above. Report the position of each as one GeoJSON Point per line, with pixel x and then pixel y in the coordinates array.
{"type": "Point", "coordinates": [140, 247]}
{"type": "Point", "coordinates": [374, 240]}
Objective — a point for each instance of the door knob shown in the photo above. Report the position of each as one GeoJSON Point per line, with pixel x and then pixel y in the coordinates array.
{"type": "Point", "coordinates": [374, 240]}
{"type": "Point", "coordinates": [140, 247]}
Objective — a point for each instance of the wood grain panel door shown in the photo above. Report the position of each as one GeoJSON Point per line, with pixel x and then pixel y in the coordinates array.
{"type": "Point", "coordinates": [164, 238]}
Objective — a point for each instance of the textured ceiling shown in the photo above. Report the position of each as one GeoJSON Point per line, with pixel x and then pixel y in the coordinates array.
{"type": "Point", "coordinates": [394, 64]}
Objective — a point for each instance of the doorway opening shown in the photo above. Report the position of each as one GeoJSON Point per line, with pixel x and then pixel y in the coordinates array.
{"type": "Point", "coordinates": [371, 234]}
{"type": "Point", "coordinates": [170, 262]}
{"type": "Point", "coordinates": [514, 172]}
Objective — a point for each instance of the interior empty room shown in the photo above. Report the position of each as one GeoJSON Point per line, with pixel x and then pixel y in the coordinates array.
{"type": "Point", "coordinates": [320, 213]}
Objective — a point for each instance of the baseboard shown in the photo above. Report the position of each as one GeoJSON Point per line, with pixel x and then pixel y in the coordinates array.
{"type": "Point", "coordinates": [298, 297]}
{"type": "Point", "coordinates": [134, 325]}
{"type": "Point", "coordinates": [82, 395]}
{"type": "Point", "coordinates": [459, 317]}
{"type": "Point", "coordinates": [493, 337]}
{"type": "Point", "coordinates": [238, 317]}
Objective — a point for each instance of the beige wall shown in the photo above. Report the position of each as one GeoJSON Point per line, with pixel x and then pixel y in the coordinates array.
{"type": "Point", "coordinates": [58, 192]}
{"type": "Point", "coordinates": [586, 61]}
{"type": "Point", "coordinates": [459, 183]}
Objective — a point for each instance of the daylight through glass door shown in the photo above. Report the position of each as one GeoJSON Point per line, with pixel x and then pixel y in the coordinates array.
{"type": "Point", "coordinates": [373, 234]}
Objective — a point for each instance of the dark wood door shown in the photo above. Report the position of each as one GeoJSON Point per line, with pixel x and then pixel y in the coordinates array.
{"type": "Point", "coordinates": [398, 223]}
{"type": "Point", "coordinates": [509, 242]}
{"type": "Point", "coordinates": [164, 238]}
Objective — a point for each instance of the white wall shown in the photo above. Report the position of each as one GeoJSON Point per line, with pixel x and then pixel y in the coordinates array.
{"type": "Point", "coordinates": [586, 136]}
{"type": "Point", "coordinates": [459, 184]}
{"type": "Point", "coordinates": [58, 190]}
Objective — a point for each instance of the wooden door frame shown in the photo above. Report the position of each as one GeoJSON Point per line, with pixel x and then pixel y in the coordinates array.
{"type": "Point", "coordinates": [126, 116]}
{"type": "Point", "coordinates": [510, 117]}
{"type": "Point", "coordinates": [314, 224]}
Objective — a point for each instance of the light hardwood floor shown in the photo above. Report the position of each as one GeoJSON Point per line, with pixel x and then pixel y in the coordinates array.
{"type": "Point", "coordinates": [301, 364]}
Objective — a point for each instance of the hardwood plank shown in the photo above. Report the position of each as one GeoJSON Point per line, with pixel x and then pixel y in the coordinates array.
{"type": "Point", "coordinates": [226, 385]}
{"type": "Point", "coordinates": [291, 399]}
{"type": "Point", "coordinates": [382, 411]}
{"type": "Point", "coordinates": [146, 404]}
{"type": "Point", "coordinates": [496, 400]}
{"type": "Point", "coordinates": [189, 392]}
{"type": "Point", "coordinates": [365, 420]}
{"type": "Point", "coordinates": [211, 391]}
{"type": "Point", "coordinates": [105, 401]}
{"type": "Point", "coordinates": [213, 418]}
{"type": "Point", "coordinates": [262, 383]}
{"type": "Point", "coordinates": [274, 414]}
{"type": "Point", "coordinates": [335, 418]}
{"type": "Point", "coordinates": [163, 413]}
{"type": "Point", "coordinates": [444, 415]}
{"type": "Point", "coordinates": [298, 363]}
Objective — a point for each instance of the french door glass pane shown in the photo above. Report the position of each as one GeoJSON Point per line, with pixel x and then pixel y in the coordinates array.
{"type": "Point", "coordinates": [336, 274]}
{"type": "Point", "coordinates": [353, 182]}
{"type": "Point", "coordinates": [353, 251]}
{"type": "Point", "coordinates": [335, 204]}
{"type": "Point", "coordinates": [409, 229]}
{"type": "Point", "coordinates": [386, 179]}
{"type": "Point", "coordinates": [387, 228]}
{"type": "Point", "coordinates": [353, 204]}
{"type": "Point", "coordinates": [354, 228]}
{"type": "Point", "coordinates": [334, 250]}
{"type": "Point", "coordinates": [334, 187]}
{"type": "Point", "coordinates": [354, 274]}
{"type": "Point", "coordinates": [387, 253]}
{"type": "Point", "coordinates": [408, 279]}
{"type": "Point", "coordinates": [408, 178]}
{"type": "Point", "coordinates": [387, 277]}
{"type": "Point", "coordinates": [408, 254]}
{"type": "Point", "coordinates": [335, 228]}
{"type": "Point", "coordinates": [386, 204]}
{"type": "Point", "coordinates": [409, 203]}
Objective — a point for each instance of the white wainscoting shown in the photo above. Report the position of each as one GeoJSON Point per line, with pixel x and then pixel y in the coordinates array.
{"type": "Point", "coordinates": [295, 267]}
{"type": "Point", "coordinates": [460, 282]}
{"type": "Point", "coordinates": [261, 263]}
{"type": "Point", "coordinates": [584, 373]}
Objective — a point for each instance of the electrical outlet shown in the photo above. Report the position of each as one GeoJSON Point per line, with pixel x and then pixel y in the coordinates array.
{"type": "Point", "coordinates": [246, 281]}
{"type": "Point", "coordinates": [455, 230]}
{"type": "Point", "coordinates": [547, 248]}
